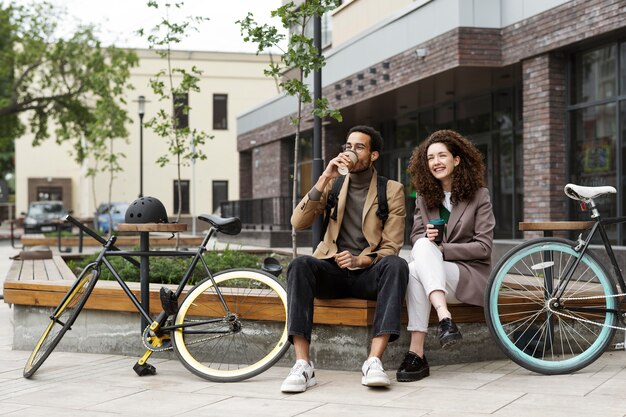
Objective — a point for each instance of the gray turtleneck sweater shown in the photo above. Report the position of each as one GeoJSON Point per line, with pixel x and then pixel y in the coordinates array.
{"type": "Point", "coordinates": [351, 236]}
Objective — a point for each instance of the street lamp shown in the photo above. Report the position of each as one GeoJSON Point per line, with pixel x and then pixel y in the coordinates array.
{"type": "Point", "coordinates": [141, 101]}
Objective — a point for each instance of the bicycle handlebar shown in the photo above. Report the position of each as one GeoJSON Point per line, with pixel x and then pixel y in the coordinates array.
{"type": "Point", "coordinates": [93, 234]}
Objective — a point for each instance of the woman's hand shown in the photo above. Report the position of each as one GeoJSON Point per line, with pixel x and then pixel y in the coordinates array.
{"type": "Point", "coordinates": [431, 232]}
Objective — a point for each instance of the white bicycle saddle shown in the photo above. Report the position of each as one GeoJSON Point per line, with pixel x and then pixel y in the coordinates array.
{"type": "Point", "coordinates": [579, 192]}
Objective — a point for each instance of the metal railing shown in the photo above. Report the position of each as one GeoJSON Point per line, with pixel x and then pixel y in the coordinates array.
{"type": "Point", "coordinates": [271, 213]}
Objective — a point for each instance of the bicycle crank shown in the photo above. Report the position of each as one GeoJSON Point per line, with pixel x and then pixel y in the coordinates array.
{"type": "Point", "coordinates": [154, 342]}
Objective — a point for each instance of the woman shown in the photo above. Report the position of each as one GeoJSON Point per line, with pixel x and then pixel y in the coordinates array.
{"type": "Point", "coordinates": [448, 173]}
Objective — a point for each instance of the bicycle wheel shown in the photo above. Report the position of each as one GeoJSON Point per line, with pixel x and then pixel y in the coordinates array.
{"type": "Point", "coordinates": [232, 346]}
{"type": "Point", "coordinates": [62, 319]}
{"type": "Point", "coordinates": [541, 333]}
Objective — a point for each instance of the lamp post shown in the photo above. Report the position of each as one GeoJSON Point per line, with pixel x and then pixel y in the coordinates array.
{"type": "Point", "coordinates": [141, 101]}
{"type": "Point", "coordinates": [318, 163]}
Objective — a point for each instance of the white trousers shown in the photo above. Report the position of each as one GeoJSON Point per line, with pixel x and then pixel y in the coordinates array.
{"type": "Point", "coordinates": [428, 272]}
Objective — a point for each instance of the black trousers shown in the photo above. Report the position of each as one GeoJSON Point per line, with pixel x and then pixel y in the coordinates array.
{"type": "Point", "coordinates": [309, 277]}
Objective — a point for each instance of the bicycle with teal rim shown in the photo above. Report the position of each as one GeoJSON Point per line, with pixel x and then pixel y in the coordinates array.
{"type": "Point", "coordinates": [230, 326]}
{"type": "Point", "coordinates": [550, 303]}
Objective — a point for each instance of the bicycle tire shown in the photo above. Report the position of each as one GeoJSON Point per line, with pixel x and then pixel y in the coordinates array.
{"type": "Point", "coordinates": [517, 314]}
{"type": "Point", "coordinates": [241, 347]}
{"type": "Point", "coordinates": [62, 319]}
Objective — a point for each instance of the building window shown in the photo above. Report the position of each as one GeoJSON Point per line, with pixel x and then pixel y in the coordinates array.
{"type": "Point", "coordinates": [181, 110]}
{"type": "Point", "coordinates": [185, 196]}
{"type": "Point", "coordinates": [597, 128]}
{"type": "Point", "coordinates": [220, 193]}
{"type": "Point", "coordinates": [49, 193]}
{"type": "Point", "coordinates": [220, 111]}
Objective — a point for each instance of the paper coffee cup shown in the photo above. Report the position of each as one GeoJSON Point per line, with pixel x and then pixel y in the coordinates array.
{"type": "Point", "coordinates": [439, 225]}
{"type": "Point", "coordinates": [344, 169]}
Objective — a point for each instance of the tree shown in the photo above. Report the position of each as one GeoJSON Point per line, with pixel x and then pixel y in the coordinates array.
{"type": "Point", "coordinates": [72, 83]}
{"type": "Point", "coordinates": [302, 56]}
{"type": "Point", "coordinates": [172, 86]}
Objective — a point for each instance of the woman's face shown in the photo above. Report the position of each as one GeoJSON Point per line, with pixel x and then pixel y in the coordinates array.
{"type": "Point", "coordinates": [441, 163]}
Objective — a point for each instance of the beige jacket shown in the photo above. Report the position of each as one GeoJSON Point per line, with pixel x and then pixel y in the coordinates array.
{"type": "Point", "coordinates": [382, 242]}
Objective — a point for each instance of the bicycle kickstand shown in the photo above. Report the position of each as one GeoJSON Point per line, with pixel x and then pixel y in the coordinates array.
{"type": "Point", "coordinates": [142, 367]}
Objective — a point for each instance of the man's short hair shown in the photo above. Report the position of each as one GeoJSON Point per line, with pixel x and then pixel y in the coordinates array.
{"type": "Point", "coordinates": [376, 140]}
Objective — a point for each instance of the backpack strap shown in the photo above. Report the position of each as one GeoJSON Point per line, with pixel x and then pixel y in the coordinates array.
{"type": "Point", "coordinates": [331, 202]}
{"type": "Point", "coordinates": [383, 207]}
{"type": "Point", "coordinates": [333, 197]}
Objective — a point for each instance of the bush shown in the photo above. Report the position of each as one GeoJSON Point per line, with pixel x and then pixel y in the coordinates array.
{"type": "Point", "coordinates": [170, 270]}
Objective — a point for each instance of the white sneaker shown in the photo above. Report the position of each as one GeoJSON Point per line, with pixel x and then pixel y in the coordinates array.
{"type": "Point", "coordinates": [301, 377]}
{"type": "Point", "coordinates": [373, 373]}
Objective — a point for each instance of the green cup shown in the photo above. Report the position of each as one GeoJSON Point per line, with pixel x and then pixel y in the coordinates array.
{"type": "Point", "coordinates": [439, 225]}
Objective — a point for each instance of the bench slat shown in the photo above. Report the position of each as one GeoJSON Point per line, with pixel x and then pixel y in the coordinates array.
{"type": "Point", "coordinates": [15, 270]}
{"type": "Point", "coordinates": [27, 270]}
{"type": "Point", "coordinates": [52, 272]}
{"type": "Point", "coordinates": [64, 270]}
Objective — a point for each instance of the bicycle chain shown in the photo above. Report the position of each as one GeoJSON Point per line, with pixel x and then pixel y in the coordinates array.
{"type": "Point", "coordinates": [590, 297]}
{"type": "Point", "coordinates": [150, 347]}
{"type": "Point", "coordinates": [158, 349]}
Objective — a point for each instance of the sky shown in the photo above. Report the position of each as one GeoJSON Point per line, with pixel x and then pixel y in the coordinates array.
{"type": "Point", "coordinates": [119, 19]}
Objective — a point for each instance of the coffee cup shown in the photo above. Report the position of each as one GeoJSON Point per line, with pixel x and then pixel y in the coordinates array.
{"type": "Point", "coordinates": [439, 224]}
{"type": "Point", "coordinates": [344, 169]}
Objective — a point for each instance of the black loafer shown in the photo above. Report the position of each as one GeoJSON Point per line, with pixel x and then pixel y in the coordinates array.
{"type": "Point", "coordinates": [413, 368]}
{"type": "Point", "coordinates": [448, 333]}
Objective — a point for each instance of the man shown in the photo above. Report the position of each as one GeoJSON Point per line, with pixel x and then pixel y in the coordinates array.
{"type": "Point", "coordinates": [357, 257]}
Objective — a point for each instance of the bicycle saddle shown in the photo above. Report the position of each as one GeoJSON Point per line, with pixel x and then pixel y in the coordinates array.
{"type": "Point", "coordinates": [229, 226]}
{"type": "Point", "coordinates": [579, 192]}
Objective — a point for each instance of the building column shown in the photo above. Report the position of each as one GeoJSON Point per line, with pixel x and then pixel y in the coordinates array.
{"type": "Point", "coordinates": [545, 157]}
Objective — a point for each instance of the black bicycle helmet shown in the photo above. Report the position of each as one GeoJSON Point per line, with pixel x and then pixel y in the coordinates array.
{"type": "Point", "coordinates": [146, 210]}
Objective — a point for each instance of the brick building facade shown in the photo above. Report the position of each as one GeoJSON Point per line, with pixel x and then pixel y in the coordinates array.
{"type": "Point", "coordinates": [519, 67]}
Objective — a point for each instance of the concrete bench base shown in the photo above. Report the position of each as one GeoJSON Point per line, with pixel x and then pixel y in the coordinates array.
{"type": "Point", "coordinates": [334, 346]}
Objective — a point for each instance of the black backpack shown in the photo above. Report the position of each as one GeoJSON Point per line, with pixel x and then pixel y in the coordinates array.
{"type": "Point", "coordinates": [331, 202]}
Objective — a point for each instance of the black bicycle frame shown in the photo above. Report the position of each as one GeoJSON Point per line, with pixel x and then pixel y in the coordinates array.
{"type": "Point", "coordinates": [111, 250]}
{"type": "Point", "coordinates": [598, 226]}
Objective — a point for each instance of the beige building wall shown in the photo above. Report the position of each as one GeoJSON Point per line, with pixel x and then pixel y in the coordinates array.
{"type": "Point", "coordinates": [355, 16]}
{"type": "Point", "coordinates": [239, 75]}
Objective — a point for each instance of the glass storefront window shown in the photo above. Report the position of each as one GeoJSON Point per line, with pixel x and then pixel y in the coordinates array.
{"type": "Point", "coordinates": [426, 124]}
{"type": "Point", "coordinates": [623, 68]}
{"type": "Point", "coordinates": [474, 115]}
{"type": "Point", "coordinates": [594, 146]}
{"type": "Point", "coordinates": [444, 116]}
{"type": "Point", "coordinates": [593, 75]}
{"type": "Point", "coordinates": [598, 128]}
{"type": "Point", "coordinates": [621, 192]}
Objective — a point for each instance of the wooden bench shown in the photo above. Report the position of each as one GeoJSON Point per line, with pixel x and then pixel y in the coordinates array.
{"type": "Point", "coordinates": [43, 282]}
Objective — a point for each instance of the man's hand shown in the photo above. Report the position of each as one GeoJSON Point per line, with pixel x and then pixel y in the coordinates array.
{"type": "Point", "coordinates": [347, 260]}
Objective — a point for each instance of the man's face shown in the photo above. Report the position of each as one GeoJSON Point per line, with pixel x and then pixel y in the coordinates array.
{"type": "Point", "coordinates": [360, 143]}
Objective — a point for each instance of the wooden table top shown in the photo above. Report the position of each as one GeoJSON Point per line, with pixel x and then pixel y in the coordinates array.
{"type": "Point", "coordinates": [152, 227]}
{"type": "Point", "coordinates": [556, 225]}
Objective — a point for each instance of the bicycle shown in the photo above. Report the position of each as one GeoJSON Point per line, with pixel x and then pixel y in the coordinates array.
{"type": "Point", "coordinates": [550, 304]}
{"type": "Point", "coordinates": [230, 326]}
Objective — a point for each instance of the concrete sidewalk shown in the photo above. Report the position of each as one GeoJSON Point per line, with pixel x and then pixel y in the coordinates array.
{"type": "Point", "coordinates": [72, 384]}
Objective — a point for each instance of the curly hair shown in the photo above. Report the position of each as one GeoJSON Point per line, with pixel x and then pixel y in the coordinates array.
{"type": "Point", "coordinates": [469, 175]}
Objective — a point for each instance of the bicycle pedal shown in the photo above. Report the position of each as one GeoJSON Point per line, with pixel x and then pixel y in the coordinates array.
{"type": "Point", "coordinates": [144, 370]}
{"type": "Point", "coordinates": [168, 301]}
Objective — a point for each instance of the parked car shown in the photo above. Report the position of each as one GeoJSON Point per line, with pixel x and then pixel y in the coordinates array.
{"type": "Point", "coordinates": [117, 212]}
{"type": "Point", "coordinates": [44, 216]}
